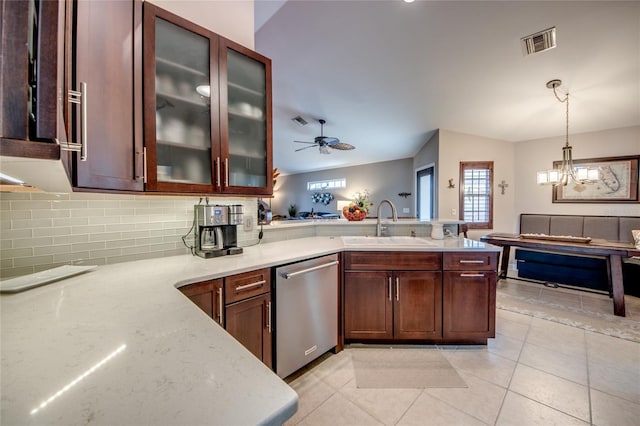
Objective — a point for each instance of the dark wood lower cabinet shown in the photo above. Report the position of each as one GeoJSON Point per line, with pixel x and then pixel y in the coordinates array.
{"type": "Point", "coordinates": [368, 312]}
{"type": "Point", "coordinates": [250, 323]}
{"type": "Point", "coordinates": [403, 305]}
{"type": "Point", "coordinates": [469, 301]}
{"type": "Point", "coordinates": [417, 305]}
{"type": "Point", "coordinates": [209, 297]}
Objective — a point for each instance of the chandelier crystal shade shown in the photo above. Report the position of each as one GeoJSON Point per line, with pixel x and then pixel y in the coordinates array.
{"type": "Point", "coordinates": [567, 172]}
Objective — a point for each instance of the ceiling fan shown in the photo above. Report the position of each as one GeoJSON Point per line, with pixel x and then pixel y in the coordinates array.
{"type": "Point", "coordinates": [326, 142]}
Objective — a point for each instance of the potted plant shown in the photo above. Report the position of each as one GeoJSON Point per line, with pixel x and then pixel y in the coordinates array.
{"type": "Point", "coordinates": [293, 210]}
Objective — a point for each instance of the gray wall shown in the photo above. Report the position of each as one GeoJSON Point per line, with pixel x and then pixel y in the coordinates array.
{"type": "Point", "coordinates": [383, 180]}
{"type": "Point", "coordinates": [429, 154]}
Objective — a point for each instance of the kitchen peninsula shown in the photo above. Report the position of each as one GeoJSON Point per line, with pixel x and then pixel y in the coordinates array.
{"type": "Point", "coordinates": [121, 345]}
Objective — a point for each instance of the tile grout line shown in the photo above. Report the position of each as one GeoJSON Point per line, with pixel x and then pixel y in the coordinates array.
{"type": "Point", "coordinates": [586, 354]}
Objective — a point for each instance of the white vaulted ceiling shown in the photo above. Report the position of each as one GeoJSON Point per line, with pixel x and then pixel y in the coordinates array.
{"type": "Point", "coordinates": [386, 74]}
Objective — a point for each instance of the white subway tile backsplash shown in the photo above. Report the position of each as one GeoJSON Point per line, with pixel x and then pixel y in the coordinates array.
{"type": "Point", "coordinates": [105, 236]}
{"type": "Point", "coordinates": [64, 204]}
{"type": "Point", "coordinates": [44, 214]}
{"type": "Point", "coordinates": [87, 229]}
{"type": "Point", "coordinates": [71, 221]}
{"type": "Point", "coordinates": [70, 239]}
{"type": "Point", "coordinates": [32, 260]}
{"type": "Point", "coordinates": [39, 251]}
{"type": "Point", "coordinates": [47, 232]}
{"type": "Point", "coordinates": [31, 205]}
{"type": "Point", "coordinates": [88, 246]}
{"type": "Point", "coordinates": [16, 214]}
{"type": "Point", "coordinates": [44, 230]}
{"type": "Point", "coordinates": [31, 223]}
{"type": "Point", "coordinates": [88, 212]}
{"type": "Point", "coordinates": [32, 242]}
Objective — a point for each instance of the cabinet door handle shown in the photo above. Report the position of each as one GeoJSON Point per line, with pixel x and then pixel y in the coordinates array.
{"type": "Point", "coordinates": [269, 317]}
{"type": "Point", "coordinates": [226, 172]}
{"type": "Point", "coordinates": [252, 285]}
{"type": "Point", "coordinates": [397, 289]}
{"type": "Point", "coordinates": [218, 165]}
{"type": "Point", "coordinates": [220, 306]}
{"type": "Point", "coordinates": [79, 97]}
{"type": "Point", "coordinates": [389, 279]}
{"type": "Point", "coordinates": [472, 275]}
{"type": "Point", "coordinates": [471, 261]}
{"type": "Point", "coordinates": [144, 165]}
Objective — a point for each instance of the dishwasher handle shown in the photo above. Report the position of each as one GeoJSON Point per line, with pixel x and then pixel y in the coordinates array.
{"type": "Point", "coordinates": [287, 275]}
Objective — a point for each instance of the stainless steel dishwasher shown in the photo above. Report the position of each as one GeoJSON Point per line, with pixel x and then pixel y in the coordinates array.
{"type": "Point", "coordinates": [306, 323]}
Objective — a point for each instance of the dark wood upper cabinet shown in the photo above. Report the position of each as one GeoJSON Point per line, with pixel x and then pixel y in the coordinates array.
{"type": "Point", "coordinates": [107, 59]}
{"type": "Point", "coordinates": [207, 110]}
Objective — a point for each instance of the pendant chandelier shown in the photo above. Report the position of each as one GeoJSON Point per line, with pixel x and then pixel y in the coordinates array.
{"type": "Point", "coordinates": [567, 171]}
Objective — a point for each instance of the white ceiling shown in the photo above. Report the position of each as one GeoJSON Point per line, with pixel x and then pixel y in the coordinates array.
{"type": "Point", "coordinates": [386, 74]}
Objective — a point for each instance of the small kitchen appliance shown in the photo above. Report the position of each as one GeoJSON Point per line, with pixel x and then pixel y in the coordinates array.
{"type": "Point", "coordinates": [216, 229]}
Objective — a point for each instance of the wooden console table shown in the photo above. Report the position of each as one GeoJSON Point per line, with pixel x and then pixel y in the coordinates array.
{"type": "Point", "coordinates": [613, 252]}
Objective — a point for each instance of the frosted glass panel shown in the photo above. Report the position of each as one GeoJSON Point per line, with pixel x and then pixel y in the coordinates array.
{"type": "Point", "coordinates": [183, 117]}
{"type": "Point", "coordinates": [247, 100]}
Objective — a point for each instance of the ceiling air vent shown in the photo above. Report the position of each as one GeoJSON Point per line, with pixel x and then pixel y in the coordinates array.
{"type": "Point", "coordinates": [539, 42]}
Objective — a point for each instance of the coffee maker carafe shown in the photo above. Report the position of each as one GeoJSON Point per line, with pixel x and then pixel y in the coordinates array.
{"type": "Point", "coordinates": [215, 234]}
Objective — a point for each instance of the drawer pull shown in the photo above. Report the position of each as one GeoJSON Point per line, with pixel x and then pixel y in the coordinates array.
{"type": "Point", "coordinates": [472, 275]}
{"type": "Point", "coordinates": [471, 261]}
{"type": "Point", "coordinates": [252, 285]}
{"type": "Point", "coordinates": [220, 306]}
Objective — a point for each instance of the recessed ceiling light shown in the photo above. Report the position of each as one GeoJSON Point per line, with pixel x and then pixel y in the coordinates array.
{"type": "Point", "coordinates": [409, 1]}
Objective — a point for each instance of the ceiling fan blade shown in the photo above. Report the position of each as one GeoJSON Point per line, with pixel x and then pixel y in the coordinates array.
{"type": "Point", "coordinates": [300, 149]}
{"type": "Point", "coordinates": [313, 143]}
{"type": "Point", "coordinates": [342, 146]}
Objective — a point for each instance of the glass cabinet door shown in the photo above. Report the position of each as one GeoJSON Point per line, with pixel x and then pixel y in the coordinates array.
{"type": "Point", "coordinates": [246, 112]}
{"type": "Point", "coordinates": [183, 140]}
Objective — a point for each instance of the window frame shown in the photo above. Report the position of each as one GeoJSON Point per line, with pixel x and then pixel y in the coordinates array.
{"type": "Point", "coordinates": [475, 165]}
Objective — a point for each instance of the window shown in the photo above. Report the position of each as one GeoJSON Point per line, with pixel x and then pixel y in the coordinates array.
{"type": "Point", "coordinates": [325, 185]}
{"type": "Point", "coordinates": [476, 197]}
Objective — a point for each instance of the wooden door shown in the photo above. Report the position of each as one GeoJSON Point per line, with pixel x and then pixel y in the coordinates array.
{"type": "Point", "coordinates": [417, 305]}
{"type": "Point", "coordinates": [368, 306]}
{"type": "Point", "coordinates": [249, 321]}
{"type": "Point", "coordinates": [469, 303]}
{"type": "Point", "coordinates": [208, 296]}
{"type": "Point", "coordinates": [108, 58]}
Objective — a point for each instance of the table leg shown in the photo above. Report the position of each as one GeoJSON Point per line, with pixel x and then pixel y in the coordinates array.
{"type": "Point", "coordinates": [617, 286]}
{"type": "Point", "coordinates": [504, 262]}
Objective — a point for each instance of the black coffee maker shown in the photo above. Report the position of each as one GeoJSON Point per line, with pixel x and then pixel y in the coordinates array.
{"type": "Point", "coordinates": [216, 230]}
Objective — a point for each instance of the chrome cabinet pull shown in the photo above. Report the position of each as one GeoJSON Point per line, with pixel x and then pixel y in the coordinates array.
{"type": "Point", "coordinates": [397, 289]}
{"type": "Point", "coordinates": [389, 279]}
{"type": "Point", "coordinates": [218, 165]}
{"type": "Point", "coordinates": [220, 306]}
{"type": "Point", "coordinates": [226, 172]}
{"type": "Point", "coordinates": [269, 317]}
{"type": "Point", "coordinates": [472, 275]}
{"type": "Point", "coordinates": [471, 261]}
{"type": "Point", "coordinates": [287, 275]}
{"type": "Point", "coordinates": [79, 97]}
{"type": "Point", "coordinates": [252, 285]}
{"type": "Point", "coordinates": [144, 165]}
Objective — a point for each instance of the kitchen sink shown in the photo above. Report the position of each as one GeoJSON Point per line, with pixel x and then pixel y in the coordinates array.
{"type": "Point", "coordinates": [393, 241]}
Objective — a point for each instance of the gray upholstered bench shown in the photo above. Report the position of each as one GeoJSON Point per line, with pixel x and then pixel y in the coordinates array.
{"type": "Point", "coordinates": [577, 270]}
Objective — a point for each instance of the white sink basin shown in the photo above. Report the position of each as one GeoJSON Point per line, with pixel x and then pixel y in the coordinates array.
{"type": "Point", "coordinates": [393, 241]}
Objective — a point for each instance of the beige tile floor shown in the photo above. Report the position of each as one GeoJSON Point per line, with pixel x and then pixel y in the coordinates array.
{"type": "Point", "coordinates": [535, 372]}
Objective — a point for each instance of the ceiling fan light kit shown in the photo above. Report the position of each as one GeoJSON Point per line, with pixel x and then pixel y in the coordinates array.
{"type": "Point", "coordinates": [325, 143]}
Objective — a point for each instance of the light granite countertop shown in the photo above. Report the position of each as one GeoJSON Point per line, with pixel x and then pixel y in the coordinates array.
{"type": "Point", "coordinates": [120, 345]}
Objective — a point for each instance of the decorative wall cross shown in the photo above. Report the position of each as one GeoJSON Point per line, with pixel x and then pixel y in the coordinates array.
{"type": "Point", "coordinates": [502, 186]}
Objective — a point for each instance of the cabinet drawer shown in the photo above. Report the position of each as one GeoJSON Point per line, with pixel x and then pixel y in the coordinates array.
{"type": "Point", "coordinates": [476, 261]}
{"type": "Point", "coordinates": [248, 284]}
{"type": "Point", "coordinates": [392, 260]}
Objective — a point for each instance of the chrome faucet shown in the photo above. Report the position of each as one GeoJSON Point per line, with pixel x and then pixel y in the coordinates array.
{"type": "Point", "coordinates": [394, 213]}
